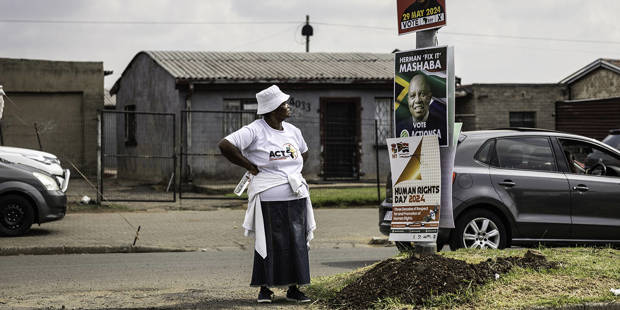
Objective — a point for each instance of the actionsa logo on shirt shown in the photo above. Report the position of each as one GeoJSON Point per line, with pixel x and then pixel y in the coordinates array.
{"type": "Point", "coordinates": [288, 152]}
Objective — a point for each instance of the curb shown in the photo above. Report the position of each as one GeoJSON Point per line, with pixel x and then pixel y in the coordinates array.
{"type": "Point", "coordinates": [106, 249]}
{"type": "Point", "coordinates": [88, 250]}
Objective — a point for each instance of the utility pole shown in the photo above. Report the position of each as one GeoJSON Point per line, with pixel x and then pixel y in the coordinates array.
{"type": "Point", "coordinates": [426, 38]}
{"type": "Point", "coordinates": [308, 32]}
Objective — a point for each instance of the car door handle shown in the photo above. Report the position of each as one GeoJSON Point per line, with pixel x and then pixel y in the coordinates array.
{"type": "Point", "coordinates": [508, 183]}
{"type": "Point", "coordinates": [581, 188]}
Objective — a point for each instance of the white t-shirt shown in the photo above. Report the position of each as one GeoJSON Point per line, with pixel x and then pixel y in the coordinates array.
{"type": "Point", "coordinates": [273, 151]}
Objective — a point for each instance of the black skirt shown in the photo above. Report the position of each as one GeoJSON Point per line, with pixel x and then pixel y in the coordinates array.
{"type": "Point", "coordinates": [287, 251]}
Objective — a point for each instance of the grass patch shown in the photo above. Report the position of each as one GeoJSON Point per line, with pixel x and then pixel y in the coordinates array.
{"type": "Point", "coordinates": [340, 197]}
{"type": "Point", "coordinates": [585, 276]}
{"type": "Point", "coordinates": [95, 208]}
{"type": "Point", "coordinates": [345, 197]}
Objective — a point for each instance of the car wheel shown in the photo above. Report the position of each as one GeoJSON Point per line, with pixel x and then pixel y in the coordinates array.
{"type": "Point", "coordinates": [16, 215]}
{"type": "Point", "coordinates": [480, 229]}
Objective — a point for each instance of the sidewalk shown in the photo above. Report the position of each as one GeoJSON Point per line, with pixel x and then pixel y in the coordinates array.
{"type": "Point", "coordinates": [79, 188]}
{"type": "Point", "coordinates": [178, 231]}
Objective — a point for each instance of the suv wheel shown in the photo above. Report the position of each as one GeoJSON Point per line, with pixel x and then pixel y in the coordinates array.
{"type": "Point", "coordinates": [16, 215]}
{"type": "Point", "coordinates": [480, 229]}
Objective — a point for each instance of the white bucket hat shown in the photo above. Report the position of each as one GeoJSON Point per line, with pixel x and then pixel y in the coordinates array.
{"type": "Point", "coordinates": [270, 99]}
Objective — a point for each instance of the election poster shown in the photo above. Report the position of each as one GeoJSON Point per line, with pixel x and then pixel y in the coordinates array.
{"type": "Point", "coordinates": [421, 93]}
{"type": "Point", "coordinates": [416, 188]}
{"type": "Point", "coordinates": [415, 15]}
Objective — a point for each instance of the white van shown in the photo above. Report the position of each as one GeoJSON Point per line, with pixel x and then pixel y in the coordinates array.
{"type": "Point", "coordinates": [39, 160]}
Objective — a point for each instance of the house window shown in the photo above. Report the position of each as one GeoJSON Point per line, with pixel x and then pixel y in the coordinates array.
{"type": "Point", "coordinates": [234, 121]}
{"type": "Point", "coordinates": [523, 119]}
{"type": "Point", "coordinates": [130, 125]}
{"type": "Point", "coordinates": [384, 117]}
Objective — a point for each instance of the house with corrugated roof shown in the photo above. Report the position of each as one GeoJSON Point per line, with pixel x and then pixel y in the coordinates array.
{"type": "Point", "coordinates": [592, 106]}
{"type": "Point", "coordinates": [335, 100]}
{"type": "Point", "coordinates": [586, 102]}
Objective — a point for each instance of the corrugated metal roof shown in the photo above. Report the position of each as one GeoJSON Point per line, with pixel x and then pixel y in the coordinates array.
{"type": "Point", "coordinates": [280, 66]}
{"type": "Point", "coordinates": [607, 63]}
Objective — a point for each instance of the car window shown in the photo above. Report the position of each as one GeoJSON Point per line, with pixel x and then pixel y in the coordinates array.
{"type": "Point", "coordinates": [526, 153]}
{"type": "Point", "coordinates": [484, 153]}
{"type": "Point", "coordinates": [583, 157]}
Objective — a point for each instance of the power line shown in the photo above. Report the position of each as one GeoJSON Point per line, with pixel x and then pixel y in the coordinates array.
{"type": "Point", "coordinates": [146, 22]}
{"type": "Point", "coordinates": [140, 22]}
{"type": "Point", "coordinates": [356, 26]}
{"type": "Point", "coordinates": [478, 34]}
{"type": "Point", "coordinates": [528, 38]}
{"type": "Point", "coordinates": [269, 36]}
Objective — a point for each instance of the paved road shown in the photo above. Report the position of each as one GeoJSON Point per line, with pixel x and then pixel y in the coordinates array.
{"type": "Point", "coordinates": [203, 280]}
{"type": "Point", "coordinates": [212, 230]}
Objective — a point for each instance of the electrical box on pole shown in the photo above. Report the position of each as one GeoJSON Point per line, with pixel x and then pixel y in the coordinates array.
{"type": "Point", "coordinates": [307, 31]}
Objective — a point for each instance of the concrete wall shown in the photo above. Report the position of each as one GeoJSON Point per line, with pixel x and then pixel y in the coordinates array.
{"type": "Point", "coordinates": [601, 83]}
{"type": "Point", "coordinates": [151, 89]}
{"type": "Point", "coordinates": [62, 97]}
{"type": "Point", "coordinates": [492, 104]}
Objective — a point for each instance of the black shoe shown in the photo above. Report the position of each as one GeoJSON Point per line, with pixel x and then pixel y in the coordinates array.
{"type": "Point", "coordinates": [265, 295]}
{"type": "Point", "coordinates": [294, 294]}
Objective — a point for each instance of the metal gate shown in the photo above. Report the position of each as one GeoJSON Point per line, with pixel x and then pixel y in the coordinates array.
{"type": "Point", "coordinates": [137, 156]}
{"type": "Point", "coordinates": [340, 135]}
{"type": "Point", "coordinates": [591, 118]}
{"type": "Point", "coordinates": [205, 173]}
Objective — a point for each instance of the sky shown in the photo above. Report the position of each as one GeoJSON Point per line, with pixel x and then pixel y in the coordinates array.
{"type": "Point", "coordinates": [495, 41]}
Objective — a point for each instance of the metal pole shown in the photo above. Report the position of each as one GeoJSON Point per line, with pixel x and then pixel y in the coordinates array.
{"type": "Point", "coordinates": [174, 156]}
{"type": "Point", "coordinates": [181, 152]}
{"type": "Point", "coordinates": [99, 156]}
{"type": "Point", "coordinates": [377, 159]}
{"type": "Point", "coordinates": [426, 38]}
{"type": "Point", "coordinates": [307, 36]}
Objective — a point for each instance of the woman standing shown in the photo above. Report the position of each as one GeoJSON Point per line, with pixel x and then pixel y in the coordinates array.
{"type": "Point", "coordinates": [279, 209]}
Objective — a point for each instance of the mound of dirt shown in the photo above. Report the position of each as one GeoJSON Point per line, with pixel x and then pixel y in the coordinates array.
{"type": "Point", "coordinates": [412, 280]}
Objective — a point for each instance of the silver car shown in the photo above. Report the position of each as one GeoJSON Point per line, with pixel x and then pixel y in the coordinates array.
{"type": "Point", "coordinates": [525, 186]}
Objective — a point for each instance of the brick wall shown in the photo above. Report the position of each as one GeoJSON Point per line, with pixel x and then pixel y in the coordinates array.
{"type": "Point", "coordinates": [492, 103]}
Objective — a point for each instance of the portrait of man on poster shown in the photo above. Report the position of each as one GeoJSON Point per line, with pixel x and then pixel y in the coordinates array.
{"type": "Point", "coordinates": [427, 114]}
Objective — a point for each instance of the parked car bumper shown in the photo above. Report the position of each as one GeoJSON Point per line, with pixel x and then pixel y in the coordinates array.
{"type": "Point", "coordinates": [384, 225]}
{"type": "Point", "coordinates": [54, 208]}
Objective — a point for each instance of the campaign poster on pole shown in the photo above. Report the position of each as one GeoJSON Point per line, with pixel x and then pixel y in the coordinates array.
{"type": "Point", "coordinates": [420, 93]}
{"type": "Point", "coordinates": [416, 186]}
{"type": "Point", "coordinates": [415, 15]}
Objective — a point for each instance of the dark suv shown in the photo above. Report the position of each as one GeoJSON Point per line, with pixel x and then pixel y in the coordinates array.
{"type": "Point", "coordinates": [531, 186]}
{"type": "Point", "coordinates": [27, 196]}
